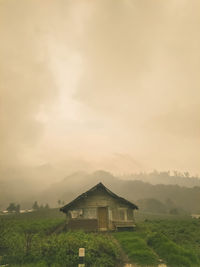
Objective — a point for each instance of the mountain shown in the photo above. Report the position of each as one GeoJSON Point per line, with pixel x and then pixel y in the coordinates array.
{"type": "Point", "coordinates": [155, 177]}
{"type": "Point", "coordinates": [25, 192]}
{"type": "Point", "coordinates": [73, 185]}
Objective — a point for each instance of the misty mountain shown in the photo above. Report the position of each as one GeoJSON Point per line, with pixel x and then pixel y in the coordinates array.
{"type": "Point", "coordinates": [155, 177]}
{"type": "Point", "coordinates": [71, 186]}
{"type": "Point", "coordinates": [185, 198]}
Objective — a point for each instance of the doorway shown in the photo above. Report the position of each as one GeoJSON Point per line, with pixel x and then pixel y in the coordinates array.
{"type": "Point", "coordinates": [103, 218]}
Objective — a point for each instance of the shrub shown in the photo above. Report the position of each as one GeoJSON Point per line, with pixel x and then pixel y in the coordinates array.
{"type": "Point", "coordinates": [172, 253]}
{"type": "Point", "coordinates": [136, 248]}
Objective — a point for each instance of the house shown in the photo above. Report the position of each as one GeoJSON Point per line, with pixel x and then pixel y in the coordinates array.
{"type": "Point", "coordinates": [195, 216]}
{"type": "Point", "coordinates": [99, 209]}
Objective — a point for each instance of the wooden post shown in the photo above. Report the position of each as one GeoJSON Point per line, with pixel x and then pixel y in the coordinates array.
{"type": "Point", "coordinates": [81, 257]}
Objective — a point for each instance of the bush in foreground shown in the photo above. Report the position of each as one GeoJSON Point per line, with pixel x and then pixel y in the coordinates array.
{"type": "Point", "coordinates": [62, 251]}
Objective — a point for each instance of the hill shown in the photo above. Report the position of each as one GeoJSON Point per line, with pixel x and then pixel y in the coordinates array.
{"type": "Point", "coordinates": [147, 195]}
{"type": "Point", "coordinates": [172, 196]}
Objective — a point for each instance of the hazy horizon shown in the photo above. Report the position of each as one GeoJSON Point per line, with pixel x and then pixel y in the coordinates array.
{"type": "Point", "coordinates": [89, 85]}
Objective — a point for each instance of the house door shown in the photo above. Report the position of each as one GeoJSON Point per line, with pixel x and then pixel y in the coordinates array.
{"type": "Point", "coordinates": [103, 218]}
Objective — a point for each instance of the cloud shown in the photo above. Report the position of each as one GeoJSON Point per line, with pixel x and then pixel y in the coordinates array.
{"type": "Point", "coordinates": [26, 85]}
{"type": "Point", "coordinates": [84, 81]}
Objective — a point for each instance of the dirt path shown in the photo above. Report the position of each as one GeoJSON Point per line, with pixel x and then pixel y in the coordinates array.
{"type": "Point", "coordinates": [125, 261]}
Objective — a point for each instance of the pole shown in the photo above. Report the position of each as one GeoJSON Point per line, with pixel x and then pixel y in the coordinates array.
{"type": "Point", "coordinates": [81, 257]}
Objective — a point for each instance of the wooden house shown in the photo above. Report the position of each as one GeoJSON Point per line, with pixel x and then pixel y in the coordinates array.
{"type": "Point", "coordinates": [99, 209]}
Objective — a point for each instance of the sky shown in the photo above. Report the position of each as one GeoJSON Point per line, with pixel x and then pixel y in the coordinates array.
{"type": "Point", "coordinates": [104, 84]}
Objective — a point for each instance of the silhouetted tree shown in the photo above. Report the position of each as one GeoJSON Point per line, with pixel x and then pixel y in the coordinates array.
{"type": "Point", "coordinates": [17, 208]}
{"type": "Point", "coordinates": [174, 211]}
{"type": "Point", "coordinates": [35, 206]}
{"type": "Point", "coordinates": [46, 206]}
{"type": "Point", "coordinates": [13, 207]}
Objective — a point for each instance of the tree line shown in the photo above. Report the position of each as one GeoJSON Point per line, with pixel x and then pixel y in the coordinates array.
{"type": "Point", "coordinates": [14, 207]}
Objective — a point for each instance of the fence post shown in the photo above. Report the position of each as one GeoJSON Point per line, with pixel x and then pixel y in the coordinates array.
{"type": "Point", "coordinates": [81, 257]}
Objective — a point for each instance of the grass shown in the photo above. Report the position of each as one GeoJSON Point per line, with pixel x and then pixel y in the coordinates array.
{"type": "Point", "coordinates": [29, 240]}
{"type": "Point", "coordinates": [31, 265]}
{"type": "Point", "coordinates": [62, 251]}
{"type": "Point", "coordinates": [176, 241]}
{"type": "Point", "coordinates": [173, 254]}
{"type": "Point", "coordinates": [142, 216]}
{"type": "Point", "coordinates": [136, 248]}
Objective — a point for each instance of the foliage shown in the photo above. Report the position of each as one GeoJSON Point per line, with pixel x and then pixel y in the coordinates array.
{"type": "Point", "coordinates": [185, 233]}
{"type": "Point", "coordinates": [152, 205]}
{"type": "Point", "coordinates": [177, 242]}
{"type": "Point", "coordinates": [172, 253]}
{"type": "Point", "coordinates": [136, 248]}
{"type": "Point", "coordinates": [29, 240]}
{"type": "Point", "coordinates": [36, 206]}
{"type": "Point", "coordinates": [13, 207]}
{"type": "Point", "coordinates": [63, 249]}
{"type": "Point", "coordinates": [25, 241]}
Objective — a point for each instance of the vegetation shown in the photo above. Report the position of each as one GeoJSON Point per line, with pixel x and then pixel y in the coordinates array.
{"type": "Point", "coordinates": [36, 207]}
{"type": "Point", "coordinates": [166, 177]}
{"type": "Point", "coordinates": [33, 240]}
{"type": "Point", "coordinates": [136, 248]}
{"type": "Point", "coordinates": [165, 192]}
{"type": "Point", "coordinates": [173, 254]}
{"type": "Point", "coordinates": [176, 242]}
{"type": "Point", "coordinates": [13, 207]}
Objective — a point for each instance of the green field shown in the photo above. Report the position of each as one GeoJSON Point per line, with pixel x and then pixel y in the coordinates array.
{"type": "Point", "coordinates": [33, 239]}
{"type": "Point", "coordinates": [175, 242]}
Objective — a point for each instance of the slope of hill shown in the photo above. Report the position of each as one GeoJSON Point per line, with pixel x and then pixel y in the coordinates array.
{"type": "Point", "coordinates": [155, 177]}
{"type": "Point", "coordinates": [185, 198]}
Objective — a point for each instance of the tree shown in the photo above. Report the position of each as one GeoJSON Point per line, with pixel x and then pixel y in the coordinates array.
{"type": "Point", "coordinates": [46, 206]}
{"type": "Point", "coordinates": [17, 208]}
{"type": "Point", "coordinates": [13, 207]}
{"type": "Point", "coordinates": [174, 211]}
{"type": "Point", "coordinates": [35, 206]}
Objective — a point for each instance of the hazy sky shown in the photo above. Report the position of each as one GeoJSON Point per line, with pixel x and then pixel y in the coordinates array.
{"type": "Point", "coordinates": [110, 84]}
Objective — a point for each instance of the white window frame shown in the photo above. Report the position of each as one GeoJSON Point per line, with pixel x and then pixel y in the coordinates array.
{"type": "Point", "coordinates": [76, 213]}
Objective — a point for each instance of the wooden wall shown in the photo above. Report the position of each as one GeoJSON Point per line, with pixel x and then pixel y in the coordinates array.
{"type": "Point", "coordinates": [88, 209]}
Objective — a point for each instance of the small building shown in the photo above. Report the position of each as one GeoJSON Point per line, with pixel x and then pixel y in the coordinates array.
{"type": "Point", "coordinates": [99, 209]}
{"type": "Point", "coordinates": [195, 216]}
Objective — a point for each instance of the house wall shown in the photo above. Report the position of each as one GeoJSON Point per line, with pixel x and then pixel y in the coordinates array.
{"type": "Point", "coordinates": [88, 209]}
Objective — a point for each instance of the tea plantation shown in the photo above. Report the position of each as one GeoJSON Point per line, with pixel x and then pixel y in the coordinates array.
{"type": "Point", "coordinates": [174, 242]}
{"type": "Point", "coordinates": [33, 239]}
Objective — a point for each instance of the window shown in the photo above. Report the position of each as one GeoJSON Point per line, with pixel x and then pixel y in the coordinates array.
{"type": "Point", "coordinates": [123, 214]}
{"type": "Point", "coordinates": [76, 213]}
{"type": "Point", "coordinates": [130, 214]}
{"type": "Point", "coordinates": [90, 213]}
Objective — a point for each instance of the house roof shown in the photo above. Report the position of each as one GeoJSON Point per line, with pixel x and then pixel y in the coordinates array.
{"type": "Point", "coordinates": [96, 187]}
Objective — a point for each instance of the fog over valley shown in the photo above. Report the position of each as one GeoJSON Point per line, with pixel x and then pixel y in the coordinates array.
{"type": "Point", "coordinates": [99, 85]}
